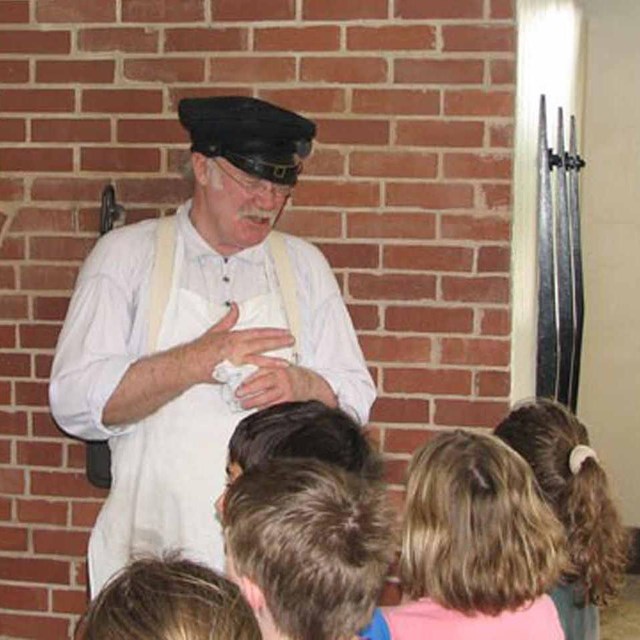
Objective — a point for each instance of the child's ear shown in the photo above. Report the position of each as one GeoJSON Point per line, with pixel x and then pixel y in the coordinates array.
{"type": "Point", "coordinates": [252, 593]}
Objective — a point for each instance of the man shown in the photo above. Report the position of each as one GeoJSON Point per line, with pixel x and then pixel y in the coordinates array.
{"type": "Point", "coordinates": [309, 545]}
{"type": "Point", "coordinates": [178, 328]}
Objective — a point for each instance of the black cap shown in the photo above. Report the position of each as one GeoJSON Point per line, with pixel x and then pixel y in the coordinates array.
{"type": "Point", "coordinates": [256, 136]}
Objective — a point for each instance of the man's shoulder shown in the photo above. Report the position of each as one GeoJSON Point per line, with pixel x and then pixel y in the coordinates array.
{"type": "Point", "coordinates": [303, 249]}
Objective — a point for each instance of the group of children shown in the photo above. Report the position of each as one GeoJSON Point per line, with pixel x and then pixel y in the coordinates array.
{"type": "Point", "coordinates": [510, 535]}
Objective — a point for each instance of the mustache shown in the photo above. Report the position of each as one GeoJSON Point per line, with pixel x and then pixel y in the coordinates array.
{"type": "Point", "coordinates": [255, 212]}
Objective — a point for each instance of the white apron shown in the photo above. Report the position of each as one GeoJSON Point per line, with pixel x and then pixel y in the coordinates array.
{"type": "Point", "coordinates": [170, 468]}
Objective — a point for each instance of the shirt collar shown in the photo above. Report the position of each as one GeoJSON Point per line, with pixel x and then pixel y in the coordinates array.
{"type": "Point", "coordinates": [195, 247]}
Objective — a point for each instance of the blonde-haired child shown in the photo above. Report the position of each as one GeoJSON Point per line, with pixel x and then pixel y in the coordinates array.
{"type": "Point", "coordinates": [556, 445]}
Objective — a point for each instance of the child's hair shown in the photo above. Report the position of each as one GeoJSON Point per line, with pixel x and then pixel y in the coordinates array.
{"type": "Point", "coordinates": [477, 537]}
{"type": "Point", "coordinates": [170, 599]}
{"type": "Point", "coordinates": [304, 430]}
{"type": "Point", "coordinates": [550, 439]}
{"type": "Point", "coordinates": [315, 539]}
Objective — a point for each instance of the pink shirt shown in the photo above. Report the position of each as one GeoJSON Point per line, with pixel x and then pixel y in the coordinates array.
{"type": "Point", "coordinates": [426, 619]}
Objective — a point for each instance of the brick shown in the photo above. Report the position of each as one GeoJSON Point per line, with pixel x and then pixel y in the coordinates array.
{"type": "Point", "coordinates": [352, 131]}
{"type": "Point", "coordinates": [36, 159]}
{"type": "Point", "coordinates": [58, 483]}
{"type": "Point", "coordinates": [76, 455]}
{"type": "Point", "coordinates": [162, 69]}
{"type": "Point", "coordinates": [13, 423]}
{"type": "Point", "coordinates": [495, 322]}
{"type": "Point", "coordinates": [253, 69]}
{"type": "Point", "coordinates": [476, 165]}
{"type": "Point", "coordinates": [397, 164]}
{"type": "Point", "coordinates": [493, 259]}
{"type": "Point", "coordinates": [5, 508]}
{"type": "Point", "coordinates": [121, 101]}
{"type": "Point", "coordinates": [493, 384]}
{"type": "Point", "coordinates": [382, 348]}
{"type": "Point", "coordinates": [341, 10]}
{"type": "Point", "coordinates": [162, 11]}
{"type": "Point", "coordinates": [406, 440]}
{"type": "Point", "coordinates": [56, 542]}
{"type": "Point", "coordinates": [33, 41]}
{"type": "Point", "coordinates": [13, 248]}
{"type": "Point", "coordinates": [125, 159]}
{"type": "Point", "coordinates": [502, 9]}
{"type": "Point", "coordinates": [475, 102]}
{"type": "Point", "coordinates": [75, 11]}
{"type": "Point", "coordinates": [158, 190]}
{"type": "Point", "coordinates": [27, 598]}
{"type": "Point", "coordinates": [43, 366]}
{"type": "Point", "coordinates": [438, 133]}
{"type": "Point", "coordinates": [395, 471]}
{"type": "Point", "coordinates": [475, 289]}
{"type": "Point", "coordinates": [354, 256]}
{"type": "Point", "coordinates": [470, 351]}
{"type": "Point", "coordinates": [7, 278]}
{"type": "Point", "coordinates": [436, 9]}
{"type": "Point", "coordinates": [38, 336]}
{"type": "Point", "coordinates": [495, 197]}
{"type": "Point", "coordinates": [11, 481]}
{"type": "Point", "coordinates": [11, 189]}
{"type": "Point", "coordinates": [391, 38]}
{"type": "Point", "coordinates": [43, 511]}
{"type": "Point", "coordinates": [427, 258]}
{"type": "Point", "coordinates": [36, 100]}
{"type": "Point", "coordinates": [309, 101]}
{"type": "Point", "coordinates": [5, 452]}
{"type": "Point", "coordinates": [13, 307]}
{"type": "Point", "coordinates": [34, 627]}
{"type": "Point", "coordinates": [40, 454]}
{"type": "Point", "coordinates": [391, 224]}
{"type": "Point", "coordinates": [439, 195]}
{"type": "Point", "coordinates": [429, 319]}
{"type": "Point", "coordinates": [35, 219]}
{"type": "Point", "coordinates": [478, 38]}
{"type": "Point", "coordinates": [5, 393]}
{"type": "Point", "coordinates": [399, 410]}
{"type": "Point", "coordinates": [45, 427]}
{"type": "Point", "coordinates": [344, 70]}
{"type": "Point", "coordinates": [151, 130]}
{"type": "Point", "coordinates": [13, 539]}
{"type": "Point", "coordinates": [206, 39]}
{"type": "Point", "coordinates": [15, 365]}
{"type": "Point", "coordinates": [67, 189]}
{"type": "Point", "coordinates": [338, 194]}
{"type": "Point", "coordinates": [474, 228]}
{"type": "Point", "coordinates": [364, 316]}
{"type": "Point", "coordinates": [84, 514]}
{"type": "Point", "coordinates": [138, 40]}
{"type": "Point", "coordinates": [396, 101]}
{"type": "Point", "coordinates": [438, 72]}
{"type": "Point", "coordinates": [32, 393]}
{"type": "Point", "coordinates": [75, 71]}
{"type": "Point", "coordinates": [502, 72]}
{"type": "Point", "coordinates": [433, 381]}
{"type": "Point", "coordinates": [69, 601]}
{"type": "Point", "coordinates": [320, 38]}
{"type": "Point", "coordinates": [247, 10]}
{"type": "Point", "coordinates": [467, 413]}
{"type": "Point", "coordinates": [317, 224]}
{"type": "Point", "coordinates": [70, 130]}
{"type": "Point", "coordinates": [47, 278]}
{"type": "Point", "coordinates": [501, 135]}
{"type": "Point", "coordinates": [14, 11]}
{"type": "Point", "coordinates": [14, 71]}
{"type": "Point", "coordinates": [392, 286]}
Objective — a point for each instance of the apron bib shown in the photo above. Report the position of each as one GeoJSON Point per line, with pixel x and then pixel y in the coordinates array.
{"type": "Point", "coordinates": [169, 470]}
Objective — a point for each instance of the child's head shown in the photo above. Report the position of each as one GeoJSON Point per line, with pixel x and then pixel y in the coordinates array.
{"type": "Point", "coordinates": [476, 536]}
{"type": "Point", "coordinates": [302, 430]}
{"type": "Point", "coordinates": [556, 445]}
{"type": "Point", "coordinates": [310, 546]}
{"type": "Point", "coordinates": [172, 599]}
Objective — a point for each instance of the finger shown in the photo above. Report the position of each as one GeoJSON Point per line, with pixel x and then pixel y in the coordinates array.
{"type": "Point", "coordinates": [263, 400]}
{"type": "Point", "coordinates": [267, 362]}
{"type": "Point", "coordinates": [228, 320]}
{"type": "Point", "coordinates": [258, 382]}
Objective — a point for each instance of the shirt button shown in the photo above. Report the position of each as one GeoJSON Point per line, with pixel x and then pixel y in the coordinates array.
{"type": "Point", "coordinates": [228, 303]}
{"type": "Point", "coordinates": [225, 278]}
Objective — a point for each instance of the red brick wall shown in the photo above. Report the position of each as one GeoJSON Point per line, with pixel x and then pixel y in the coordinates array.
{"type": "Point", "coordinates": [408, 195]}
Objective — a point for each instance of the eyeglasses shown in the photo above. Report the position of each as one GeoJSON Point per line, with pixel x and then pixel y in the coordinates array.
{"type": "Point", "coordinates": [254, 186]}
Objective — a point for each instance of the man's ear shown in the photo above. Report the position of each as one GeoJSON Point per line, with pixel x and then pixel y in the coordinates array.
{"type": "Point", "coordinates": [200, 168]}
{"type": "Point", "coordinates": [252, 593]}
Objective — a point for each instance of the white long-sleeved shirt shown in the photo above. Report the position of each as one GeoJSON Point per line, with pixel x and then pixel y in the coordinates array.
{"type": "Point", "coordinates": [105, 330]}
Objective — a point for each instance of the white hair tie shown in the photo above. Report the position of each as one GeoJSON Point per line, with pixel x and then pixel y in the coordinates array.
{"type": "Point", "coordinates": [578, 455]}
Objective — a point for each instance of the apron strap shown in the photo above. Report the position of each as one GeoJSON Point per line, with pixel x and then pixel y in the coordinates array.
{"type": "Point", "coordinates": [284, 273]}
{"type": "Point", "coordinates": [161, 275]}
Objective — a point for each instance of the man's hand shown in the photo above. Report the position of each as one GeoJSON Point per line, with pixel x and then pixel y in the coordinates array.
{"type": "Point", "coordinates": [273, 385]}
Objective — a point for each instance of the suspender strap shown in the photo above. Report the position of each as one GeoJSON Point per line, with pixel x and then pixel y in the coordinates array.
{"type": "Point", "coordinates": [161, 277]}
{"type": "Point", "coordinates": [287, 282]}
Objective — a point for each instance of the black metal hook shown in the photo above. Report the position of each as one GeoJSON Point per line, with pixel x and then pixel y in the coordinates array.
{"type": "Point", "coordinates": [110, 210]}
